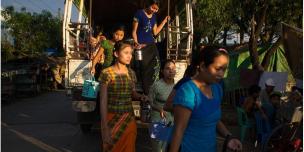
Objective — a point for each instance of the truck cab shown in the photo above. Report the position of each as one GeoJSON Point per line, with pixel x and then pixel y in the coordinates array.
{"type": "Point", "coordinates": [174, 42]}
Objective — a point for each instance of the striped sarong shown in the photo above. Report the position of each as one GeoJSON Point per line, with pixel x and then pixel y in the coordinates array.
{"type": "Point", "coordinates": [123, 132]}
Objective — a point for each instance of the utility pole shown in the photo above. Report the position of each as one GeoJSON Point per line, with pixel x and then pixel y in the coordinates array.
{"type": "Point", "coordinates": [59, 15]}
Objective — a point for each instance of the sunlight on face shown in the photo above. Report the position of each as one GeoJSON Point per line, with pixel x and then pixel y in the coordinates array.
{"type": "Point", "coordinates": [218, 68]}
{"type": "Point", "coordinates": [125, 55]}
{"type": "Point", "coordinates": [154, 8]}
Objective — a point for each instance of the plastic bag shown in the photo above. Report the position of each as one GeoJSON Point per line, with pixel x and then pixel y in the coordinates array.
{"type": "Point", "coordinates": [161, 130]}
{"type": "Point", "coordinates": [90, 88]}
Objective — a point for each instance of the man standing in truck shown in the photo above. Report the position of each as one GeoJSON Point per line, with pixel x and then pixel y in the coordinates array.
{"type": "Point", "coordinates": [144, 28]}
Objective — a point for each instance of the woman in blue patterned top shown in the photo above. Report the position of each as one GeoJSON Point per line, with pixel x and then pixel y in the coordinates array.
{"type": "Point", "coordinates": [197, 107]}
{"type": "Point", "coordinates": [143, 32]}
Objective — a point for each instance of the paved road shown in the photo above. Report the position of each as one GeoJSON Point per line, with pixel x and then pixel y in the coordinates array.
{"type": "Point", "coordinates": [44, 123]}
{"type": "Point", "coordinates": [47, 123]}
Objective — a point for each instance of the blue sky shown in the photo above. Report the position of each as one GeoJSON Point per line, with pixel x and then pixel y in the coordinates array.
{"type": "Point", "coordinates": [37, 5]}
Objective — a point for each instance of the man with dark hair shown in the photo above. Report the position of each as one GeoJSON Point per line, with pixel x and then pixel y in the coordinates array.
{"type": "Point", "coordinates": [275, 100]}
{"type": "Point", "coordinates": [252, 102]}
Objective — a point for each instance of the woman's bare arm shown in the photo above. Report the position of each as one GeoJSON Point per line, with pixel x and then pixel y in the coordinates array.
{"type": "Point", "coordinates": [103, 112]}
{"type": "Point", "coordinates": [97, 58]}
{"type": "Point", "coordinates": [169, 103]}
{"type": "Point", "coordinates": [222, 130]}
{"type": "Point", "coordinates": [134, 30]}
{"type": "Point", "coordinates": [181, 118]}
{"type": "Point", "coordinates": [157, 29]}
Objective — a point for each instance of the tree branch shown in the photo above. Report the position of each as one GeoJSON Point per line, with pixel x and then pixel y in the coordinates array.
{"type": "Point", "coordinates": [261, 20]}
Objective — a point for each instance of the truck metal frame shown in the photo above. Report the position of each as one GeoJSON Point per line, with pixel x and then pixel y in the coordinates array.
{"type": "Point", "coordinates": [178, 34]}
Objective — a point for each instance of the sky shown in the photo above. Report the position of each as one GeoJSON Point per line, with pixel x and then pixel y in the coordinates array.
{"type": "Point", "coordinates": [38, 5]}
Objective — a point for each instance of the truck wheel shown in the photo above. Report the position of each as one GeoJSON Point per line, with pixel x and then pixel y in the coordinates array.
{"type": "Point", "coordinates": [85, 128]}
{"type": "Point", "coordinates": [36, 90]}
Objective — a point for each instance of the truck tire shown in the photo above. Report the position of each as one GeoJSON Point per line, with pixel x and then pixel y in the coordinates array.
{"type": "Point", "coordinates": [85, 128]}
{"type": "Point", "coordinates": [37, 89]}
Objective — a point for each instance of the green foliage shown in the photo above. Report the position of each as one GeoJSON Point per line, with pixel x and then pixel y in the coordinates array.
{"type": "Point", "coordinates": [33, 32]}
{"type": "Point", "coordinates": [211, 17]}
{"type": "Point", "coordinates": [6, 51]}
{"type": "Point", "coordinates": [289, 12]}
{"type": "Point", "coordinates": [241, 60]}
{"type": "Point", "coordinates": [261, 19]}
{"type": "Point", "coordinates": [278, 11]}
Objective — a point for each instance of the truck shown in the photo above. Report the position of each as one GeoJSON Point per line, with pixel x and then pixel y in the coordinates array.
{"type": "Point", "coordinates": [175, 40]}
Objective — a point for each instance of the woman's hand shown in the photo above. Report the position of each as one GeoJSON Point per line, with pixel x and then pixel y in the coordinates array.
{"type": "Point", "coordinates": [93, 41]}
{"type": "Point", "coordinates": [106, 138]}
{"type": "Point", "coordinates": [167, 19]}
{"type": "Point", "coordinates": [92, 71]}
{"type": "Point", "coordinates": [139, 46]}
{"type": "Point", "coordinates": [163, 113]}
{"type": "Point", "coordinates": [144, 98]}
{"type": "Point", "coordinates": [102, 38]}
{"type": "Point", "coordinates": [136, 45]}
{"type": "Point", "coordinates": [234, 144]}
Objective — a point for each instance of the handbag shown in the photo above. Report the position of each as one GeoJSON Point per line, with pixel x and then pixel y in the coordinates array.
{"type": "Point", "coordinates": [90, 88]}
{"type": "Point", "coordinates": [161, 130]}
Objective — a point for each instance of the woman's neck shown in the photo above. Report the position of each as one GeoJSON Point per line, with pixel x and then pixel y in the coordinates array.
{"type": "Point", "coordinates": [146, 10]}
{"type": "Point", "coordinates": [120, 68]}
{"type": "Point", "coordinates": [168, 80]}
{"type": "Point", "coordinates": [199, 78]}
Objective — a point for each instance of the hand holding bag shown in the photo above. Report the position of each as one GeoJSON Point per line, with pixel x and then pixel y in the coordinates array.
{"type": "Point", "coordinates": [161, 130]}
{"type": "Point", "coordinates": [90, 88]}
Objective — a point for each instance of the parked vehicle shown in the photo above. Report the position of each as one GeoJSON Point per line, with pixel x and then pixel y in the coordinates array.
{"type": "Point", "coordinates": [177, 37]}
{"type": "Point", "coordinates": [7, 87]}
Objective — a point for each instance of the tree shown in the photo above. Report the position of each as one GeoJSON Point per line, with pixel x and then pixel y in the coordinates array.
{"type": "Point", "coordinates": [33, 32]}
{"type": "Point", "coordinates": [261, 19]}
{"type": "Point", "coordinates": [6, 50]}
{"type": "Point", "coordinates": [211, 17]}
